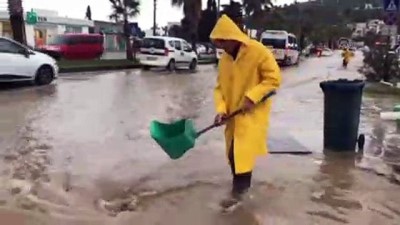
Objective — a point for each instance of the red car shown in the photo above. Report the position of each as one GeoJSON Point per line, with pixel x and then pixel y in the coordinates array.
{"type": "Point", "coordinates": [74, 46]}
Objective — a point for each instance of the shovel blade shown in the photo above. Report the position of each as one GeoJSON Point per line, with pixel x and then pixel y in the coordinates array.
{"type": "Point", "coordinates": [174, 138]}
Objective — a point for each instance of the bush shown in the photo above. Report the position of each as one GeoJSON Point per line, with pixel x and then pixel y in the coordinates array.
{"type": "Point", "coordinates": [381, 66]}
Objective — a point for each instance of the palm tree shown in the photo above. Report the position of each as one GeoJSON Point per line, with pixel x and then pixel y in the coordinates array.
{"type": "Point", "coordinates": [256, 12]}
{"type": "Point", "coordinates": [122, 10]}
{"type": "Point", "coordinates": [17, 20]}
{"type": "Point", "coordinates": [192, 15]}
{"type": "Point", "coordinates": [254, 6]}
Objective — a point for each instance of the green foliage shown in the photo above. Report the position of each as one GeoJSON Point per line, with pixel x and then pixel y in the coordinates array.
{"type": "Point", "coordinates": [379, 65]}
{"type": "Point", "coordinates": [123, 9]}
{"type": "Point", "coordinates": [234, 10]}
{"type": "Point", "coordinates": [207, 21]}
{"type": "Point", "coordinates": [190, 22]}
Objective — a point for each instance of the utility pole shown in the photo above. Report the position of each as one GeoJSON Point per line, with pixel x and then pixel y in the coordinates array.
{"type": "Point", "coordinates": [218, 8]}
{"type": "Point", "coordinates": [155, 18]}
{"type": "Point", "coordinates": [17, 20]}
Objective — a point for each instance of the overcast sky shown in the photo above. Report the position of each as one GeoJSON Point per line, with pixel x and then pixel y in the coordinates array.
{"type": "Point", "coordinates": [101, 9]}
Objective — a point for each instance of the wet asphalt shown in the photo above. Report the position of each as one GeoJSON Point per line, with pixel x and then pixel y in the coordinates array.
{"type": "Point", "coordinates": [79, 152]}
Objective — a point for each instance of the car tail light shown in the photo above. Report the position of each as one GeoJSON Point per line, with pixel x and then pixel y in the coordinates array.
{"type": "Point", "coordinates": [167, 51]}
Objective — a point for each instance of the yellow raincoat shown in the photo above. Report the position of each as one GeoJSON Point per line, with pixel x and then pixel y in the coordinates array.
{"type": "Point", "coordinates": [253, 74]}
{"type": "Point", "coordinates": [347, 55]}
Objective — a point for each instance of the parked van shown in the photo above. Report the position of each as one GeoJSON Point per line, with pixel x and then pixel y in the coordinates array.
{"type": "Point", "coordinates": [283, 44]}
{"type": "Point", "coordinates": [167, 52]}
{"type": "Point", "coordinates": [74, 46]}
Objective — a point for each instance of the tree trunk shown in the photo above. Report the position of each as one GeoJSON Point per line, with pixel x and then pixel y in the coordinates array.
{"type": "Point", "coordinates": [17, 20]}
{"type": "Point", "coordinates": [18, 28]}
{"type": "Point", "coordinates": [129, 52]}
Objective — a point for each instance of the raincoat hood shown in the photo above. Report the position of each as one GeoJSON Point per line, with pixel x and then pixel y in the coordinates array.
{"type": "Point", "coordinates": [226, 29]}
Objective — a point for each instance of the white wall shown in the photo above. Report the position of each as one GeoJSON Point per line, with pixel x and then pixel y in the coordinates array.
{"type": "Point", "coordinates": [30, 35]}
{"type": "Point", "coordinates": [61, 29]}
{"type": "Point", "coordinates": [85, 30]}
{"type": "Point", "coordinates": [51, 32]}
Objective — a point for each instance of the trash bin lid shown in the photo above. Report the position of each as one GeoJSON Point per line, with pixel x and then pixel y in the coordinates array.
{"type": "Point", "coordinates": [342, 85]}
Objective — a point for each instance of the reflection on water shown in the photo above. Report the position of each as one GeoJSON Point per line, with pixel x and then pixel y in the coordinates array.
{"type": "Point", "coordinates": [336, 179]}
{"type": "Point", "coordinates": [382, 154]}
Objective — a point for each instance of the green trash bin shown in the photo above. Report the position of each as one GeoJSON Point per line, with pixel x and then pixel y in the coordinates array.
{"type": "Point", "coordinates": [342, 107]}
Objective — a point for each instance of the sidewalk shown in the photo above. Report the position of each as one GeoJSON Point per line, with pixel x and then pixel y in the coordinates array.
{"type": "Point", "coordinates": [300, 101]}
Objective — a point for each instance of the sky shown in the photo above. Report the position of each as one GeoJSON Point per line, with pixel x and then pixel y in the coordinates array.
{"type": "Point", "coordinates": [101, 9]}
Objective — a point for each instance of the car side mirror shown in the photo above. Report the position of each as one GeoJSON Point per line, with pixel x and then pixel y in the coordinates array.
{"type": "Point", "coordinates": [24, 52]}
{"type": "Point", "coordinates": [188, 49]}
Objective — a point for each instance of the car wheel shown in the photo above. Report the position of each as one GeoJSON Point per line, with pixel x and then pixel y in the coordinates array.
{"type": "Point", "coordinates": [297, 61]}
{"type": "Point", "coordinates": [193, 65]}
{"type": "Point", "coordinates": [99, 55]}
{"type": "Point", "coordinates": [44, 75]}
{"type": "Point", "coordinates": [171, 65]}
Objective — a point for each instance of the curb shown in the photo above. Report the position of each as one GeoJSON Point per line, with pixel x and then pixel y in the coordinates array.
{"type": "Point", "coordinates": [106, 68]}
{"type": "Point", "coordinates": [97, 68]}
{"type": "Point", "coordinates": [380, 88]}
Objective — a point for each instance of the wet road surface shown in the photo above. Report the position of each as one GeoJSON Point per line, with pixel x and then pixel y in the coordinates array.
{"type": "Point", "coordinates": [79, 152]}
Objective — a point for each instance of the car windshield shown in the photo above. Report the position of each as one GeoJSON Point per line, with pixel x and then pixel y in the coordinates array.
{"type": "Point", "coordinates": [153, 43]}
{"type": "Point", "coordinates": [275, 43]}
{"type": "Point", "coordinates": [57, 40]}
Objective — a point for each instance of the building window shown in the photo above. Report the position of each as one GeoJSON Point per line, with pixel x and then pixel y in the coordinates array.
{"type": "Point", "coordinates": [73, 29]}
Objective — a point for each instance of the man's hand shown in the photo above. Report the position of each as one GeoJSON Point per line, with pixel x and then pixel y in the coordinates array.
{"type": "Point", "coordinates": [248, 104]}
{"type": "Point", "coordinates": [220, 119]}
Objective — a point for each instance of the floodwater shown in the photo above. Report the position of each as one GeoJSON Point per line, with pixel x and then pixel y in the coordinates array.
{"type": "Point", "coordinates": [79, 152]}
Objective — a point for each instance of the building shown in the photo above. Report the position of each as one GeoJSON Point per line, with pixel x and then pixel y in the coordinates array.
{"type": "Point", "coordinates": [49, 24]}
{"type": "Point", "coordinates": [359, 30]}
{"type": "Point", "coordinates": [113, 35]}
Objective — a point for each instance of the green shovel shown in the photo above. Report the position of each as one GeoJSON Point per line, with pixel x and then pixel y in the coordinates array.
{"type": "Point", "coordinates": [178, 137]}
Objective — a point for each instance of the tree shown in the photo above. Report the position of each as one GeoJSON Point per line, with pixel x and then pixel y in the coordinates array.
{"type": "Point", "coordinates": [122, 11]}
{"type": "Point", "coordinates": [234, 11]}
{"type": "Point", "coordinates": [256, 12]}
{"type": "Point", "coordinates": [175, 31]}
{"type": "Point", "coordinates": [17, 20]}
{"type": "Point", "coordinates": [165, 31]}
{"type": "Point", "coordinates": [88, 13]}
{"type": "Point", "coordinates": [207, 21]}
{"type": "Point", "coordinates": [379, 65]}
{"type": "Point", "coordinates": [192, 15]}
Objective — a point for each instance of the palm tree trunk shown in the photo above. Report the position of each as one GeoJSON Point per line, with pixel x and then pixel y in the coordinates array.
{"type": "Point", "coordinates": [154, 17]}
{"type": "Point", "coordinates": [129, 52]}
{"type": "Point", "coordinates": [17, 20]}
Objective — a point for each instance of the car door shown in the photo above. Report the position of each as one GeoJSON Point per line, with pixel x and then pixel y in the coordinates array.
{"type": "Point", "coordinates": [74, 50]}
{"type": "Point", "coordinates": [295, 50]}
{"type": "Point", "coordinates": [179, 53]}
{"type": "Point", "coordinates": [188, 53]}
{"type": "Point", "coordinates": [13, 62]}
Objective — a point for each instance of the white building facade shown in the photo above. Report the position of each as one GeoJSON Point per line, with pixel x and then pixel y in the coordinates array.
{"type": "Point", "coordinates": [49, 25]}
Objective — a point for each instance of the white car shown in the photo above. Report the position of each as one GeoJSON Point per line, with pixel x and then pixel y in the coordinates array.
{"type": "Point", "coordinates": [326, 52]}
{"type": "Point", "coordinates": [20, 63]}
{"type": "Point", "coordinates": [168, 52]}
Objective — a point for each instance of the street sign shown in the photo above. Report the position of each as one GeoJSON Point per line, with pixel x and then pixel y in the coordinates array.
{"type": "Point", "coordinates": [390, 18]}
{"type": "Point", "coordinates": [391, 5]}
{"type": "Point", "coordinates": [31, 18]}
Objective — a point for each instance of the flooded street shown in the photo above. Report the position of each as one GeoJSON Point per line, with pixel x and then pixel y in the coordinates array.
{"type": "Point", "coordinates": [79, 152]}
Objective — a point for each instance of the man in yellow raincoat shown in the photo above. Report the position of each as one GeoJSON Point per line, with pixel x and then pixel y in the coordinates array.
{"type": "Point", "coordinates": [247, 72]}
{"type": "Point", "coordinates": [347, 55]}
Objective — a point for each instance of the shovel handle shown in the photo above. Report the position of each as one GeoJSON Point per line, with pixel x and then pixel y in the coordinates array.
{"type": "Point", "coordinates": [235, 113]}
